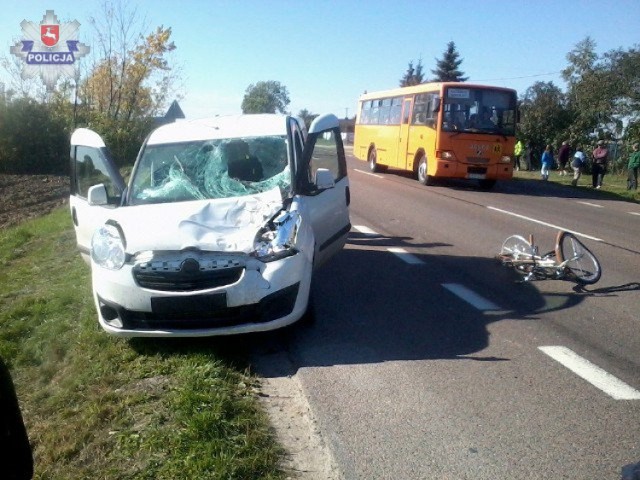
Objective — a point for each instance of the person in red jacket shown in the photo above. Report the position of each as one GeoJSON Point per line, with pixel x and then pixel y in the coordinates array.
{"type": "Point", "coordinates": [599, 166]}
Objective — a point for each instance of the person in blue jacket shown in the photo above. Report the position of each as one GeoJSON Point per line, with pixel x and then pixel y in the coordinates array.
{"type": "Point", "coordinates": [547, 162]}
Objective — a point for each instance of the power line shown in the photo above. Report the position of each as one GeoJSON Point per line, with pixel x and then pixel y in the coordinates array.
{"type": "Point", "coordinates": [517, 78]}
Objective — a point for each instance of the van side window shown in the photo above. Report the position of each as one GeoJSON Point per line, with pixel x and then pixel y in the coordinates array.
{"type": "Point", "coordinates": [326, 154]}
{"type": "Point", "coordinates": [91, 169]}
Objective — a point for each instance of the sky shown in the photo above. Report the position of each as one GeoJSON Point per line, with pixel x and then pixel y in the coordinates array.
{"type": "Point", "coordinates": [327, 52]}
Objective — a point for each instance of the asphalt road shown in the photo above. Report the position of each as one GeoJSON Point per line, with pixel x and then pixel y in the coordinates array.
{"type": "Point", "coordinates": [428, 361]}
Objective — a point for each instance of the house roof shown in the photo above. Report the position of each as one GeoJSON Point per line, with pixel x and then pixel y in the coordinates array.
{"type": "Point", "coordinates": [174, 111]}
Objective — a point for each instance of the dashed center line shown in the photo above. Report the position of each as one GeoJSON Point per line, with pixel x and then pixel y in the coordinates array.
{"type": "Point", "coordinates": [367, 173]}
{"type": "Point", "coordinates": [405, 256]}
{"type": "Point", "coordinates": [506, 212]}
{"type": "Point", "coordinates": [590, 204]}
{"type": "Point", "coordinates": [593, 374]}
{"type": "Point", "coordinates": [470, 297]}
{"type": "Point", "coordinates": [401, 253]}
{"type": "Point", "coordinates": [365, 230]}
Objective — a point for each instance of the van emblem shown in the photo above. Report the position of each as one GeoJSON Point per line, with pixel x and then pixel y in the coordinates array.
{"type": "Point", "coordinates": [190, 265]}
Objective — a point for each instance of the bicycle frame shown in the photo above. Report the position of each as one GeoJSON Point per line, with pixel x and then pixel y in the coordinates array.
{"type": "Point", "coordinates": [546, 267]}
{"type": "Point", "coordinates": [522, 254]}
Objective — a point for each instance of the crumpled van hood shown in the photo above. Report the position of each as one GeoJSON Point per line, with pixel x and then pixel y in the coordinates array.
{"type": "Point", "coordinates": [226, 224]}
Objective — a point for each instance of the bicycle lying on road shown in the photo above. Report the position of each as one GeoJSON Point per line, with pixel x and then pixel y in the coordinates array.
{"type": "Point", "coordinates": [570, 260]}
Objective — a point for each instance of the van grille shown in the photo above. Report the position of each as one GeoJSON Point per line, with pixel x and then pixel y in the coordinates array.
{"type": "Point", "coordinates": [186, 271]}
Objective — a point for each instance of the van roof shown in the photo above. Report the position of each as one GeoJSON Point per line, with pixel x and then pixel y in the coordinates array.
{"type": "Point", "coordinates": [228, 126]}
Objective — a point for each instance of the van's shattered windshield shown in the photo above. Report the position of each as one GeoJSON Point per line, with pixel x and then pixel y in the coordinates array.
{"type": "Point", "coordinates": [210, 169]}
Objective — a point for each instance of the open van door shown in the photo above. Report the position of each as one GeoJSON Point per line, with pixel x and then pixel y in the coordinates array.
{"type": "Point", "coordinates": [96, 186]}
{"type": "Point", "coordinates": [322, 181]}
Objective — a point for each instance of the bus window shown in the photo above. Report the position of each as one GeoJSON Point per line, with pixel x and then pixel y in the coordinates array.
{"type": "Point", "coordinates": [420, 110]}
{"type": "Point", "coordinates": [365, 113]}
{"type": "Point", "coordinates": [432, 112]}
{"type": "Point", "coordinates": [385, 110]}
{"type": "Point", "coordinates": [396, 111]}
{"type": "Point", "coordinates": [423, 112]}
{"type": "Point", "coordinates": [455, 117]}
{"type": "Point", "coordinates": [406, 111]}
{"type": "Point", "coordinates": [484, 110]}
{"type": "Point", "coordinates": [374, 119]}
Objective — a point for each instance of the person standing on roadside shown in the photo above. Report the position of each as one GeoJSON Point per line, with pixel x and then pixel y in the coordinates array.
{"type": "Point", "coordinates": [634, 165]}
{"type": "Point", "coordinates": [563, 157]}
{"type": "Point", "coordinates": [599, 167]}
{"type": "Point", "coordinates": [517, 153]}
{"type": "Point", "coordinates": [547, 162]}
{"type": "Point", "coordinates": [577, 164]}
{"type": "Point", "coordinates": [528, 156]}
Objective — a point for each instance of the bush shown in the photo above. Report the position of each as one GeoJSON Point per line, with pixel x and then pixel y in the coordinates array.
{"type": "Point", "coordinates": [32, 140]}
{"type": "Point", "coordinates": [34, 137]}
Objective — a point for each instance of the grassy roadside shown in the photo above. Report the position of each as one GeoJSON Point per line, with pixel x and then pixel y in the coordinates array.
{"type": "Point", "coordinates": [614, 186]}
{"type": "Point", "coordinates": [100, 407]}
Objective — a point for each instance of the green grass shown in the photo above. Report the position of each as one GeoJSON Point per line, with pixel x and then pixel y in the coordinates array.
{"type": "Point", "coordinates": [96, 406]}
{"type": "Point", "coordinates": [614, 185]}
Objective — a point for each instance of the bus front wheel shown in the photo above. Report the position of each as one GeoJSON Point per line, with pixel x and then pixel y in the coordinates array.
{"type": "Point", "coordinates": [373, 161]}
{"type": "Point", "coordinates": [423, 178]}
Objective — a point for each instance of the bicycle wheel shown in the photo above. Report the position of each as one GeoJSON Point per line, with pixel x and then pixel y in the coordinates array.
{"type": "Point", "coordinates": [518, 253]}
{"type": "Point", "coordinates": [583, 265]}
{"type": "Point", "coordinates": [517, 247]}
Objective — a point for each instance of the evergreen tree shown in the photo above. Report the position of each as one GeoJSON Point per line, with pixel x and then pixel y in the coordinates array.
{"type": "Point", "coordinates": [413, 76]}
{"type": "Point", "coordinates": [447, 69]}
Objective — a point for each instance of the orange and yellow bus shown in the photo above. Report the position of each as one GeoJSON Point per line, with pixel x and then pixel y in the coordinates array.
{"type": "Point", "coordinates": [439, 130]}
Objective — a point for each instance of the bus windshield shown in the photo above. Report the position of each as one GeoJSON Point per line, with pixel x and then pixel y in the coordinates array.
{"type": "Point", "coordinates": [478, 110]}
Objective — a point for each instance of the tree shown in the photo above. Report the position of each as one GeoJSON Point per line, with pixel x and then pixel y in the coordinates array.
{"type": "Point", "coordinates": [603, 93]}
{"type": "Point", "coordinates": [544, 115]}
{"type": "Point", "coordinates": [307, 116]}
{"type": "Point", "coordinates": [413, 76]}
{"type": "Point", "coordinates": [133, 77]}
{"type": "Point", "coordinates": [587, 94]}
{"type": "Point", "coordinates": [130, 83]}
{"type": "Point", "coordinates": [265, 97]}
{"type": "Point", "coordinates": [447, 69]}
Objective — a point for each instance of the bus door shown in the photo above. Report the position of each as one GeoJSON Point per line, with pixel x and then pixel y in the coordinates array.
{"type": "Point", "coordinates": [403, 140]}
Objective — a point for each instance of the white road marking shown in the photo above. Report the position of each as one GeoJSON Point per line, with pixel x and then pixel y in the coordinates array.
{"type": "Point", "coordinates": [595, 239]}
{"type": "Point", "coordinates": [635, 213]}
{"type": "Point", "coordinates": [405, 256]}
{"type": "Point", "coordinates": [368, 173]}
{"type": "Point", "coordinates": [591, 204]}
{"type": "Point", "coordinates": [593, 374]}
{"type": "Point", "coordinates": [365, 230]}
{"type": "Point", "coordinates": [470, 297]}
{"type": "Point", "coordinates": [401, 253]}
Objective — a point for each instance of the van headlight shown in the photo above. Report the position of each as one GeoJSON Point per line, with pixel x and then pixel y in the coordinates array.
{"type": "Point", "coordinates": [277, 239]}
{"type": "Point", "coordinates": [506, 159]}
{"type": "Point", "coordinates": [107, 247]}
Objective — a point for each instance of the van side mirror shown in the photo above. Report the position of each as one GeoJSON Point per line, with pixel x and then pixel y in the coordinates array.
{"type": "Point", "coordinates": [98, 195]}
